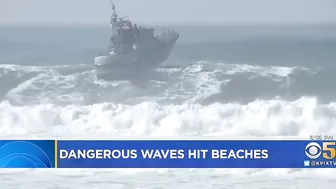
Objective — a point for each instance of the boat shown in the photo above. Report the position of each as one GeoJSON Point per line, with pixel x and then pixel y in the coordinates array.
{"type": "Point", "coordinates": [134, 50]}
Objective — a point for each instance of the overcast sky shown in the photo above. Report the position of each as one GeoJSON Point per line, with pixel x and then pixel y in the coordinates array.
{"type": "Point", "coordinates": [169, 11]}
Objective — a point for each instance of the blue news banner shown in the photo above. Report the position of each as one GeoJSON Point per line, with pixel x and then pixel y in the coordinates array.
{"type": "Point", "coordinates": [167, 154]}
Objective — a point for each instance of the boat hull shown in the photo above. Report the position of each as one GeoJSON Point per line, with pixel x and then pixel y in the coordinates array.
{"type": "Point", "coordinates": [128, 66]}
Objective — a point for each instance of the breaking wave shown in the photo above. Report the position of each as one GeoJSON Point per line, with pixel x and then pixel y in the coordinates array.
{"type": "Point", "coordinates": [200, 99]}
{"type": "Point", "coordinates": [197, 99]}
{"type": "Point", "coordinates": [260, 118]}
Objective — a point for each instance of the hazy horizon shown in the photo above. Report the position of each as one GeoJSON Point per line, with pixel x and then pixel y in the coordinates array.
{"type": "Point", "coordinates": [169, 25]}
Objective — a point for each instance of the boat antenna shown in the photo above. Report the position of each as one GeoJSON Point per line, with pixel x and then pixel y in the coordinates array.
{"type": "Point", "coordinates": [114, 17]}
{"type": "Point", "coordinates": [113, 8]}
{"type": "Point", "coordinates": [114, 25]}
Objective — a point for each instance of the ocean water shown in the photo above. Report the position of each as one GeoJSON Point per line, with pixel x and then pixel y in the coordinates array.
{"type": "Point", "coordinates": [247, 81]}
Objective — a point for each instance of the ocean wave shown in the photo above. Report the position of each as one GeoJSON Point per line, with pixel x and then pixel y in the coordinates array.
{"type": "Point", "coordinates": [302, 117]}
{"type": "Point", "coordinates": [191, 83]}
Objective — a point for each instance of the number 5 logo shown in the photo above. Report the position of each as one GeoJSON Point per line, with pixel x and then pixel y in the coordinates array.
{"type": "Point", "coordinates": [327, 148]}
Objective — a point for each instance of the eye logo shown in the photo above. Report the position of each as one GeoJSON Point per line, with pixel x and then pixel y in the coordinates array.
{"type": "Point", "coordinates": [313, 150]}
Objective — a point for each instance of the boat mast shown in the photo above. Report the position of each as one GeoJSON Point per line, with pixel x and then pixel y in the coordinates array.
{"type": "Point", "coordinates": [115, 15]}
{"type": "Point", "coordinates": [114, 25]}
{"type": "Point", "coordinates": [114, 19]}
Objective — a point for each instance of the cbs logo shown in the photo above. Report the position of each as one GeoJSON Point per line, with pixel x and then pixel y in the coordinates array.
{"type": "Point", "coordinates": [313, 150]}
